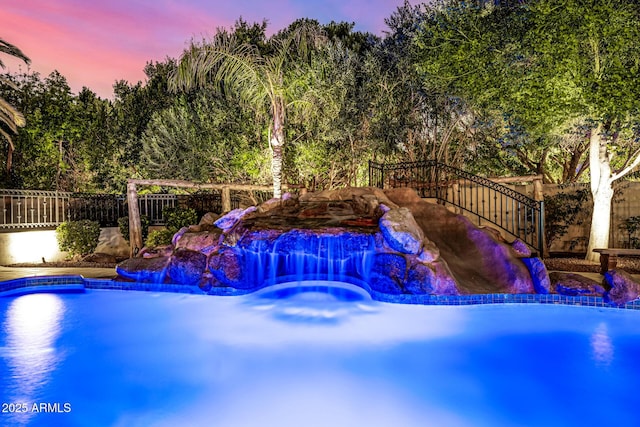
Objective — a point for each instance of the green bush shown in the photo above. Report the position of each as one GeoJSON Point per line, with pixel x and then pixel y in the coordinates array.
{"type": "Point", "coordinates": [78, 237]}
{"type": "Point", "coordinates": [123, 225]}
{"type": "Point", "coordinates": [159, 238]}
{"type": "Point", "coordinates": [178, 217]}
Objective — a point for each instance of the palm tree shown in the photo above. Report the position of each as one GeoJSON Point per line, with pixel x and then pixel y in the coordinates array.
{"type": "Point", "coordinates": [259, 79]}
{"type": "Point", "coordinates": [9, 116]}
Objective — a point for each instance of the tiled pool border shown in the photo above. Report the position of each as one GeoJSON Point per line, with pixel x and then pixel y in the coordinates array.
{"type": "Point", "coordinates": [78, 283]}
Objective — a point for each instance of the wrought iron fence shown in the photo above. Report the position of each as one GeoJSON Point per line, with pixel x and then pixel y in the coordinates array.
{"type": "Point", "coordinates": [33, 209]}
{"type": "Point", "coordinates": [514, 212]}
{"type": "Point", "coordinates": [104, 208]}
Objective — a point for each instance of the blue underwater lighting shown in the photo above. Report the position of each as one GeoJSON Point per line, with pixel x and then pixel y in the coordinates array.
{"type": "Point", "coordinates": [298, 255]}
{"type": "Point", "coordinates": [317, 354]}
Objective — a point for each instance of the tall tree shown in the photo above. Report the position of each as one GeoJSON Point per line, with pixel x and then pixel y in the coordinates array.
{"type": "Point", "coordinates": [212, 139]}
{"type": "Point", "coordinates": [10, 117]}
{"type": "Point", "coordinates": [550, 67]}
{"type": "Point", "coordinates": [259, 78]}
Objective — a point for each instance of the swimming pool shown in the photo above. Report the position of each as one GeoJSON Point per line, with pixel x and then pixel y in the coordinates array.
{"type": "Point", "coordinates": [281, 357]}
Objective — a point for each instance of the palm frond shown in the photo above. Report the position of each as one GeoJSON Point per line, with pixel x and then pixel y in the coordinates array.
{"type": "Point", "coordinates": [8, 138]}
{"type": "Point", "coordinates": [9, 83]}
{"type": "Point", "coordinates": [12, 50]}
{"type": "Point", "coordinates": [10, 116]}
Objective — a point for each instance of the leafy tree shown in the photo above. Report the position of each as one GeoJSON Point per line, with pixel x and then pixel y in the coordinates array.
{"type": "Point", "coordinates": [133, 108]}
{"type": "Point", "coordinates": [551, 67]}
{"type": "Point", "coordinates": [413, 119]}
{"type": "Point", "coordinates": [212, 139]}
{"type": "Point", "coordinates": [40, 147]}
{"type": "Point", "coordinates": [96, 154]}
{"type": "Point", "coordinates": [259, 79]}
{"type": "Point", "coordinates": [329, 146]}
{"type": "Point", "coordinates": [10, 117]}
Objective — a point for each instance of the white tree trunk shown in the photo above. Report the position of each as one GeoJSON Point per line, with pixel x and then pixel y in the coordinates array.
{"type": "Point", "coordinates": [600, 222]}
{"type": "Point", "coordinates": [602, 192]}
{"type": "Point", "coordinates": [276, 143]}
{"type": "Point", "coordinates": [602, 180]}
{"type": "Point", "coordinates": [276, 167]}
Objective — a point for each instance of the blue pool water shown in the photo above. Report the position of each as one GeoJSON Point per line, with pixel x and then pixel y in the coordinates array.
{"type": "Point", "coordinates": [321, 355]}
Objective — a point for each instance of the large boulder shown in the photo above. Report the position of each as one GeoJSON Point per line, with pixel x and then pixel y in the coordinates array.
{"type": "Point", "coordinates": [573, 284]}
{"type": "Point", "coordinates": [227, 221]}
{"type": "Point", "coordinates": [401, 231]}
{"type": "Point", "coordinates": [623, 287]}
{"type": "Point", "coordinates": [227, 267]}
{"type": "Point", "coordinates": [521, 248]}
{"type": "Point", "coordinates": [143, 269]}
{"type": "Point", "coordinates": [202, 241]}
{"type": "Point", "coordinates": [209, 218]}
{"type": "Point", "coordinates": [539, 275]}
{"type": "Point", "coordinates": [186, 267]}
{"type": "Point", "coordinates": [434, 279]}
{"type": "Point", "coordinates": [479, 259]}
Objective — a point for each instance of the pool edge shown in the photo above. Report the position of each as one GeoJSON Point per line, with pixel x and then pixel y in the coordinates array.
{"type": "Point", "coordinates": [78, 283]}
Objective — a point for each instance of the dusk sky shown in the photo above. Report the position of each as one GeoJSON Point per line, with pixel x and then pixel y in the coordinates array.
{"type": "Point", "coordinates": [94, 43]}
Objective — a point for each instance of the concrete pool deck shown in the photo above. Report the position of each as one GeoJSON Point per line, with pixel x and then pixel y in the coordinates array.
{"type": "Point", "coordinates": [11, 273]}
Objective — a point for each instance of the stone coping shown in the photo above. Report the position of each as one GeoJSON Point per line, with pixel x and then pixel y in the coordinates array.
{"type": "Point", "coordinates": [78, 284]}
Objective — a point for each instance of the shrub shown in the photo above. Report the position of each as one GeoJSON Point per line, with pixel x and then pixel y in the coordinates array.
{"type": "Point", "coordinates": [159, 238]}
{"type": "Point", "coordinates": [178, 217]}
{"type": "Point", "coordinates": [78, 237]}
{"type": "Point", "coordinates": [123, 225]}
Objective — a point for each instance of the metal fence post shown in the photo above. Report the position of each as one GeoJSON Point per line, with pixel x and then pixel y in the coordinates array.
{"type": "Point", "coordinates": [541, 237]}
{"type": "Point", "coordinates": [57, 207]}
{"type": "Point", "coordinates": [437, 180]}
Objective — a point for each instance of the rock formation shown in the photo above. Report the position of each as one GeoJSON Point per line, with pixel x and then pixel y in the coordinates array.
{"type": "Point", "coordinates": [622, 287]}
{"type": "Point", "coordinates": [390, 242]}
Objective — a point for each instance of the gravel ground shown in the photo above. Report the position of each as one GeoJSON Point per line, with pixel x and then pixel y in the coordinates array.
{"type": "Point", "coordinates": [72, 264]}
{"type": "Point", "coordinates": [630, 265]}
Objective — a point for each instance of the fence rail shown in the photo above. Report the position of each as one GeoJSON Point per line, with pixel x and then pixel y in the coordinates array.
{"type": "Point", "coordinates": [514, 212]}
{"type": "Point", "coordinates": [35, 209]}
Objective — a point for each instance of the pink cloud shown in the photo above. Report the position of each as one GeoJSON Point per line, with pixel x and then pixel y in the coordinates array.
{"type": "Point", "coordinates": [96, 43]}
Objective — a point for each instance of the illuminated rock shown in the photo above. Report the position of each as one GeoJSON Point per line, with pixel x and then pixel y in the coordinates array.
{"type": "Point", "coordinates": [521, 249]}
{"type": "Point", "coordinates": [479, 259]}
{"type": "Point", "coordinates": [227, 221]}
{"type": "Point", "coordinates": [200, 241]}
{"type": "Point", "coordinates": [186, 267]}
{"type": "Point", "coordinates": [401, 231]}
{"type": "Point", "coordinates": [539, 275]}
{"type": "Point", "coordinates": [574, 284]}
{"type": "Point", "coordinates": [389, 242]}
{"type": "Point", "coordinates": [623, 287]}
{"type": "Point", "coordinates": [209, 219]}
{"type": "Point", "coordinates": [144, 269]}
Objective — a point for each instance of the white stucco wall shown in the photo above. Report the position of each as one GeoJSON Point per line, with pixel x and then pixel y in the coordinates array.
{"type": "Point", "coordinates": [29, 247]}
{"type": "Point", "coordinates": [34, 245]}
